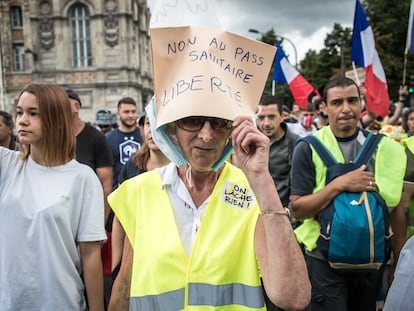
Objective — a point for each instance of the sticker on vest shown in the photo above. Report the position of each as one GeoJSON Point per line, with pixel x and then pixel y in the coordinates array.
{"type": "Point", "coordinates": [237, 196]}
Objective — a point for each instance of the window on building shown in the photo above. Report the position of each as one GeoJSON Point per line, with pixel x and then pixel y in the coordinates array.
{"type": "Point", "coordinates": [81, 38]}
{"type": "Point", "coordinates": [18, 57]}
{"type": "Point", "coordinates": [16, 17]}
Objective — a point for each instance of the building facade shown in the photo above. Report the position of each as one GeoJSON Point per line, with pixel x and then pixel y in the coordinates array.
{"type": "Point", "coordinates": [99, 48]}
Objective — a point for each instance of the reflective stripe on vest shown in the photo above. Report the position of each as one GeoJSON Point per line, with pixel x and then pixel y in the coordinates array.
{"type": "Point", "coordinates": [170, 301]}
{"type": "Point", "coordinates": [201, 294]}
{"type": "Point", "coordinates": [228, 294]}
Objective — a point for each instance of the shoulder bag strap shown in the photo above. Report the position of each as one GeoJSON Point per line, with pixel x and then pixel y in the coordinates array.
{"type": "Point", "coordinates": [368, 148]}
{"type": "Point", "coordinates": [319, 147]}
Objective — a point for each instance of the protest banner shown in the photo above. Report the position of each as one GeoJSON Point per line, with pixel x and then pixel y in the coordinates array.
{"type": "Point", "coordinates": [222, 72]}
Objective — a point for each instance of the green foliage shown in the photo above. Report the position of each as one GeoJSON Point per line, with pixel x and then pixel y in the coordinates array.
{"type": "Point", "coordinates": [389, 21]}
{"type": "Point", "coordinates": [319, 67]}
{"type": "Point", "coordinates": [281, 91]}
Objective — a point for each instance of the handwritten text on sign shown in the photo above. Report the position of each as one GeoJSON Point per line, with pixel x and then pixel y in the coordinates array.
{"type": "Point", "coordinates": [208, 72]}
{"type": "Point", "coordinates": [211, 83]}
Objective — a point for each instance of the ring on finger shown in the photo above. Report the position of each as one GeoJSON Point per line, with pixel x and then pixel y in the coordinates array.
{"type": "Point", "coordinates": [370, 183]}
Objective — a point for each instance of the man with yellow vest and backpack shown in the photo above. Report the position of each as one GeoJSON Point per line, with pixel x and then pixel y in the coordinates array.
{"type": "Point", "coordinates": [341, 280]}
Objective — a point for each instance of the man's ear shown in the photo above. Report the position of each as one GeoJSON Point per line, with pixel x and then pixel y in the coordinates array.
{"type": "Point", "coordinates": [78, 106]}
{"type": "Point", "coordinates": [322, 106]}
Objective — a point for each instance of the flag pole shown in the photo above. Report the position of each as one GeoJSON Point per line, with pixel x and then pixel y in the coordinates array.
{"type": "Point", "coordinates": [355, 74]}
{"type": "Point", "coordinates": [364, 104]}
{"type": "Point", "coordinates": [404, 68]}
{"type": "Point", "coordinates": [409, 43]}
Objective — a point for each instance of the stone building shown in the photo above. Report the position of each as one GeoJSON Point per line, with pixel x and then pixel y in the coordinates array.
{"type": "Point", "coordinates": [99, 48]}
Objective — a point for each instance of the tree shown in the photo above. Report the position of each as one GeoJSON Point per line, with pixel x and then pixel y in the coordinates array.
{"type": "Point", "coordinates": [282, 91]}
{"type": "Point", "coordinates": [319, 67]}
{"type": "Point", "coordinates": [389, 22]}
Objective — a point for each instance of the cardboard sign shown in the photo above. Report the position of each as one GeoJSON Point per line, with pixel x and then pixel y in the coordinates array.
{"type": "Point", "coordinates": [204, 72]}
{"type": "Point", "coordinates": [357, 75]}
{"type": "Point", "coordinates": [173, 13]}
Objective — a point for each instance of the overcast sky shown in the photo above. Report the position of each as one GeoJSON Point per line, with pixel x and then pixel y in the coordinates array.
{"type": "Point", "coordinates": [304, 22]}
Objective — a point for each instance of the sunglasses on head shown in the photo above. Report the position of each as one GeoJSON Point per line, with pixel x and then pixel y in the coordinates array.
{"type": "Point", "coordinates": [194, 124]}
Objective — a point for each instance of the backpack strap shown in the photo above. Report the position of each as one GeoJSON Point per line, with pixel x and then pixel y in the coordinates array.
{"type": "Point", "coordinates": [367, 149]}
{"type": "Point", "coordinates": [320, 148]}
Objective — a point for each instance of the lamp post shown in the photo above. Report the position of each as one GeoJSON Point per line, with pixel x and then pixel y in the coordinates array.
{"type": "Point", "coordinates": [339, 43]}
{"type": "Point", "coordinates": [280, 39]}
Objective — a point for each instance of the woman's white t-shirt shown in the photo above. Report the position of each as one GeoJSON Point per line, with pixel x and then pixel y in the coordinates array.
{"type": "Point", "coordinates": [44, 213]}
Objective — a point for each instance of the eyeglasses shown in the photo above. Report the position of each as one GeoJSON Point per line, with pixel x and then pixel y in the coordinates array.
{"type": "Point", "coordinates": [195, 124]}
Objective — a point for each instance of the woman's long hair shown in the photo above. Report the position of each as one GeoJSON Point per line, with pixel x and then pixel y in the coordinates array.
{"type": "Point", "coordinates": [55, 113]}
{"type": "Point", "coordinates": [404, 119]}
{"type": "Point", "coordinates": [141, 157]}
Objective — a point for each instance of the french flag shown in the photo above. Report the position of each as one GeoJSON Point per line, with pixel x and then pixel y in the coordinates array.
{"type": "Point", "coordinates": [410, 34]}
{"type": "Point", "coordinates": [285, 73]}
{"type": "Point", "coordinates": [363, 53]}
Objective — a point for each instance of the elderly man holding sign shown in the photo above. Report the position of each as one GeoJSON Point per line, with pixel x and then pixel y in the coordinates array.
{"type": "Point", "coordinates": [200, 232]}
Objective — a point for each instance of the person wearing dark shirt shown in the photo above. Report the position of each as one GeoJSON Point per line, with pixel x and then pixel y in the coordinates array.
{"type": "Point", "coordinates": [148, 157]}
{"type": "Point", "coordinates": [126, 139]}
{"type": "Point", "coordinates": [282, 141]}
{"type": "Point", "coordinates": [7, 138]}
{"type": "Point", "coordinates": [93, 149]}
{"type": "Point", "coordinates": [310, 194]}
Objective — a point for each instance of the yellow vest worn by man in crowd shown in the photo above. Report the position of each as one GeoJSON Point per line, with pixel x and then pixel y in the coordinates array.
{"type": "Point", "coordinates": [388, 171]}
{"type": "Point", "coordinates": [398, 134]}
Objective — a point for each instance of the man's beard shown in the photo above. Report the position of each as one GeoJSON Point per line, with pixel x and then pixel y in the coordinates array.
{"type": "Point", "coordinates": [125, 124]}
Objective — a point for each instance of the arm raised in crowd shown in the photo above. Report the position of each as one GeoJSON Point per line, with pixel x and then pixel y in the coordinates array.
{"type": "Point", "coordinates": [281, 261]}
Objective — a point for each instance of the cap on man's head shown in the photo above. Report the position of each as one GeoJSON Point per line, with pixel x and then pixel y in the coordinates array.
{"type": "Point", "coordinates": [72, 94]}
{"type": "Point", "coordinates": [141, 120]}
{"type": "Point", "coordinates": [104, 117]}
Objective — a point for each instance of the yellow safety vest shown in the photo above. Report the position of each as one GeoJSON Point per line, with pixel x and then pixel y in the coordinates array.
{"type": "Point", "coordinates": [222, 271]}
{"type": "Point", "coordinates": [390, 162]}
{"type": "Point", "coordinates": [410, 219]}
{"type": "Point", "coordinates": [408, 143]}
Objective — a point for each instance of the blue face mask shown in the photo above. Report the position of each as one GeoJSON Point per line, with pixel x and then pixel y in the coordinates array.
{"type": "Point", "coordinates": [167, 146]}
{"type": "Point", "coordinates": [162, 139]}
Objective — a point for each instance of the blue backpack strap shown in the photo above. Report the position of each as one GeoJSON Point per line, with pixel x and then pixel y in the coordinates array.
{"type": "Point", "coordinates": [368, 148]}
{"type": "Point", "coordinates": [319, 147]}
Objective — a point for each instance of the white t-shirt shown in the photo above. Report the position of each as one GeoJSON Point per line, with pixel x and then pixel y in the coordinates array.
{"type": "Point", "coordinates": [44, 213]}
{"type": "Point", "coordinates": [299, 130]}
{"type": "Point", "coordinates": [400, 294]}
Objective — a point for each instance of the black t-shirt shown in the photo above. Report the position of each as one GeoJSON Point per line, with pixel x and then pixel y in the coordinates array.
{"type": "Point", "coordinates": [92, 148]}
{"type": "Point", "coordinates": [303, 170]}
{"type": "Point", "coordinates": [128, 171]}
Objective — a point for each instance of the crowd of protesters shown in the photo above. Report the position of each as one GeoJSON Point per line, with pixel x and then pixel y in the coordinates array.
{"type": "Point", "coordinates": [118, 214]}
{"type": "Point", "coordinates": [282, 126]}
